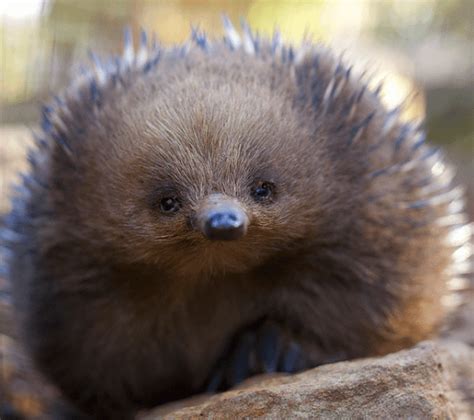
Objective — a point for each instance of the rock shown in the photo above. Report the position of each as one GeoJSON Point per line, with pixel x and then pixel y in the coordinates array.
{"type": "Point", "coordinates": [431, 380]}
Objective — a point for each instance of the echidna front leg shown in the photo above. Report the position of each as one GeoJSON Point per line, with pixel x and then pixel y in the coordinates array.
{"type": "Point", "coordinates": [265, 348]}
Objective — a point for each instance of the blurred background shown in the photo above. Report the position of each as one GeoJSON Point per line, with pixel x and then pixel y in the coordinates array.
{"type": "Point", "coordinates": [420, 48]}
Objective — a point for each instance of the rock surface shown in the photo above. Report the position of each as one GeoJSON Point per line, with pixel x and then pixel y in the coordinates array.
{"type": "Point", "coordinates": [431, 380]}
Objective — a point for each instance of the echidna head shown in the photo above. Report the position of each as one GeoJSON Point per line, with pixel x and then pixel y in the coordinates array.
{"type": "Point", "coordinates": [205, 158]}
{"type": "Point", "coordinates": [206, 173]}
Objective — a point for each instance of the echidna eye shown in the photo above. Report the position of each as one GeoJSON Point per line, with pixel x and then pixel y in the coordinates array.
{"type": "Point", "coordinates": [263, 191]}
{"type": "Point", "coordinates": [169, 205]}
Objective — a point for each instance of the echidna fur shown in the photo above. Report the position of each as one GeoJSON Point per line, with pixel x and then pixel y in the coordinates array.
{"type": "Point", "coordinates": [438, 200]}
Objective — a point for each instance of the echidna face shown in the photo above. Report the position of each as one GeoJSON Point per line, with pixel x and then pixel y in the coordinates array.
{"type": "Point", "coordinates": [219, 181]}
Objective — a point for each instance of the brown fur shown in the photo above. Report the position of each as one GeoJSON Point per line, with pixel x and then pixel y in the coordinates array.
{"type": "Point", "coordinates": [124, 307]}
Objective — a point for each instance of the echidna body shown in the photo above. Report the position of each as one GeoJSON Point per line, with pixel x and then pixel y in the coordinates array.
{"type": "Point", "coordinates": [200, 214]}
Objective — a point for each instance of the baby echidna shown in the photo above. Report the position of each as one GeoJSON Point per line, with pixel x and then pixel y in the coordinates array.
{"type": "Point", "coordinates": [200, 214]}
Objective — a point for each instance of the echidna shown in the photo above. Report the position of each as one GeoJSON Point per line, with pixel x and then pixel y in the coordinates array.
{"type": "Point", "coordinates": [199, 214]}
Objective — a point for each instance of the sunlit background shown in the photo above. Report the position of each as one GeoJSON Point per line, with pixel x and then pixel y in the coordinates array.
{"type": "Point", "coordinates": [421, 49]}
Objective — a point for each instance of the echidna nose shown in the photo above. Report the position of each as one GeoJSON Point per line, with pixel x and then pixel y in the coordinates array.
{"type": "Point", "coordinates": [225, 225]}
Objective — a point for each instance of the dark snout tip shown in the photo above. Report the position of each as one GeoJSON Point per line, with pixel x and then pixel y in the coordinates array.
{"type": "Point", "coordinates": [225, 225]}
